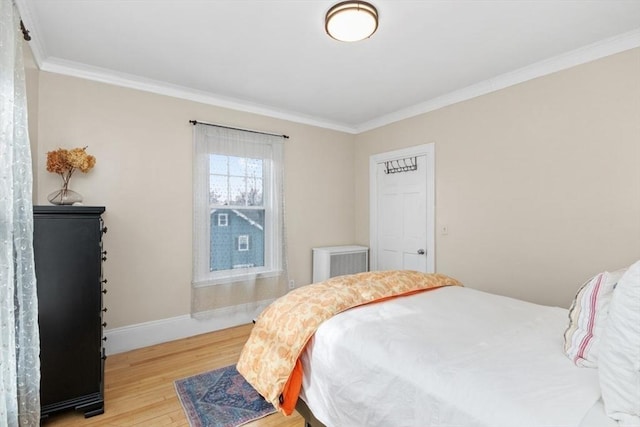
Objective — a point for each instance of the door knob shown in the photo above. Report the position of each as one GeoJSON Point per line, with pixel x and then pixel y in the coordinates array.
{"type": "Point", "coordinates": [420, 251]}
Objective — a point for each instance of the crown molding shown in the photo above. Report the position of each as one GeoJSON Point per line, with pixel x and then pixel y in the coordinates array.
{"type": "Point", "coordinates": [551, 65]}
{"type": "Point", "coordinates": [83, 71]}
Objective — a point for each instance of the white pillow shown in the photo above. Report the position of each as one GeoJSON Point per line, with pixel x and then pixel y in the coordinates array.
{"type": "Point", "coordinates": [587, 317]}
{"type": "Point", "coordinates": [619, 362]}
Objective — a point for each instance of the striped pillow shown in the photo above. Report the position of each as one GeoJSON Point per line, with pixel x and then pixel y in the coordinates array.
{"type": "Point", "coordinates": [587, 317]}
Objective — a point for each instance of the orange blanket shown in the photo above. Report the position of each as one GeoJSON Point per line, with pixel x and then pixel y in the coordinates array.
{"type": "Point", "coordinates": [270, 359]}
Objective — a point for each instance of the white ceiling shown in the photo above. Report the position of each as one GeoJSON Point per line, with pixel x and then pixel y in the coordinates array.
{"type": "Point", "coordinates": [273, 57]}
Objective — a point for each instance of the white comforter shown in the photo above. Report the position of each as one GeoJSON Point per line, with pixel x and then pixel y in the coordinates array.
{"type": "Point", "coordinates": [448, 357]}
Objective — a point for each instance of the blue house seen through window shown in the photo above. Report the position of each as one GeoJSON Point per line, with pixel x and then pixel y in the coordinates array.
{"type": "Point", "coordinates": [237, 238]}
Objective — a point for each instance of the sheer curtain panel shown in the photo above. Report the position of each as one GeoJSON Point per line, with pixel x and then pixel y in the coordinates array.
{"type": "Point", "coordinates": [239, 245]}
{"type": "Point", "coordinates": [19, 341]}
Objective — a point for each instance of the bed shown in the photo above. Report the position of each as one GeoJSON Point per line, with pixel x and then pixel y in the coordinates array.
{"type": "Point", "coordinates": [452, 356]}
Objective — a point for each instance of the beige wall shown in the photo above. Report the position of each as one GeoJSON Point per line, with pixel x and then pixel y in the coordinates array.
{"type": "Point", "coordinates": [538, 184]}
{"type": "Point", "coordinates": [142, 143]}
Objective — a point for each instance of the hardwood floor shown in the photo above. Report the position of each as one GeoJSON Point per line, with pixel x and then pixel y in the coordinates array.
{"type": "Point", "coordinates": [139, 388]}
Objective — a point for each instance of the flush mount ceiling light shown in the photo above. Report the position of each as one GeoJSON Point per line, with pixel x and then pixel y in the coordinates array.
{"type": "Point", "coordinates": [351, 21]}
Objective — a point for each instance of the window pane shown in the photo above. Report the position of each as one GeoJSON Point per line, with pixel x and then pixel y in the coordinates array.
{"type": "Point", "coordinates": [237, 166]}
{"type": "Point", "coordinates": [237, 191]}
{"type": "Point", "coordinates": [235, 181]}
{"type": "Point", "coordinates": [218, 164]}
{"type": "Point", "coordinates": [254, 168]}
{"type": "Point", "coordinates": [255, 192]}
{"type": "Point", "coordinates": [218, 190]}
{"type": "Point", "coordinates": [241, 243]}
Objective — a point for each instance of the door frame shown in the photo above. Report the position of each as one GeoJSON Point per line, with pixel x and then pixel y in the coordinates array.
{"type": "Point", "coordinates": [427, 150]}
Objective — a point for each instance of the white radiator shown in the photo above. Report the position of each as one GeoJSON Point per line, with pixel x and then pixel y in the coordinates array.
{"type": "Point", "coordinates": [331, 261]}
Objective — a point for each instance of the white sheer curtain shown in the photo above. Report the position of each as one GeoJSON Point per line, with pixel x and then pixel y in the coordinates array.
{"type": "Point", "coordinates": [19, 338]}
{"type": "Point", "coordinates": [239, 244]}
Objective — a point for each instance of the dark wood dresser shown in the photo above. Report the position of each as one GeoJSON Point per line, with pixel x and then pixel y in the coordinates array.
{"type": "Point", "coordinates": [67, 243]}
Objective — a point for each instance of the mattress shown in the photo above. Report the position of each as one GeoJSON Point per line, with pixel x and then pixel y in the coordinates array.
{"type": "Point", "coordinates": [448, 357]}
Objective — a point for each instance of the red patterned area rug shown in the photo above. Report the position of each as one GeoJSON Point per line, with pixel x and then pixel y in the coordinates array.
{"type": "Point", "coordinates": [220, 398]}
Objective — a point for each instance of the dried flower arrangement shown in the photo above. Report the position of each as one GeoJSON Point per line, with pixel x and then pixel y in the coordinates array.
{"type": "Point", "coordinates": [65, 163]}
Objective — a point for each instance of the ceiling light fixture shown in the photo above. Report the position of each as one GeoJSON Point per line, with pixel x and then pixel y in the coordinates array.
{"type": "Point", "coordinates": [351, 21]}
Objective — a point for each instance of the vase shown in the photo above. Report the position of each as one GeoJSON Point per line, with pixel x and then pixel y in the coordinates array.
{"type": "Point", "coordinates": [64, 196]}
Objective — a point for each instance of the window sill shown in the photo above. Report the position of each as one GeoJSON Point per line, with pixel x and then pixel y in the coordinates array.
{"type": "Point", "coordinates": [233, 278]}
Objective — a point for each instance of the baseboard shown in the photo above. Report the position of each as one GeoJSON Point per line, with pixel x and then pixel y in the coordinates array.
{"type": "Point", "coordinates": [145, 334]}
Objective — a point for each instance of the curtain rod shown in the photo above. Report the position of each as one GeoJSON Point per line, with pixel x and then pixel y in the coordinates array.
{"type": "Point", "coordinates": [195, 122]}
{"type": "Point", "coordinates": [25, 32]}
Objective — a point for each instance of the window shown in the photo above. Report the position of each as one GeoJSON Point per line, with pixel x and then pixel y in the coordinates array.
{"type": "Point", "coordinates": [243, 244]}
{"type": "Point", "coordinates": [237, 205]}
{"type": "Point", "coordinates": [236, 192]}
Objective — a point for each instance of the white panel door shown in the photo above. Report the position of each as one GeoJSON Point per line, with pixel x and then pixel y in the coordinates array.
{"type": "Point", "coordinates": [402, 214]}
{"type": "Point", "coordinates": [402, 210]}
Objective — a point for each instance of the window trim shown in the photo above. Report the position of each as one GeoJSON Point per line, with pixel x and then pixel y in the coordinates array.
{"type": "Point", "coordinates": [270, 150]}
{"type": "Point", "coordinates": [226, 220]}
